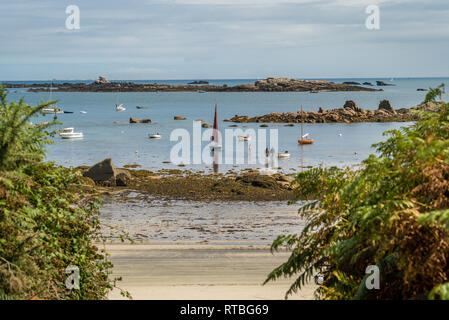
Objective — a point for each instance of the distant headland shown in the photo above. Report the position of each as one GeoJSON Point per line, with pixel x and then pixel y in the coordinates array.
{"type": "Point", "coordinates": [266, 85]}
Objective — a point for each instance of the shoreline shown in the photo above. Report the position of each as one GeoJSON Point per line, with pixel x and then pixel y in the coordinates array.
{"type": "Point", "coordinates": [199, 272]}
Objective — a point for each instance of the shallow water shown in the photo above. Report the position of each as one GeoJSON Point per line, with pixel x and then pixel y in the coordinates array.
{"type": "Point", "coordinates": [155, 220]}
{"type": "Point", "coordinates": [129, 143]}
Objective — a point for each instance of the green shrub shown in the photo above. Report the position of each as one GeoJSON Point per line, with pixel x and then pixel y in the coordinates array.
{"type": "Point", "coordinates": [47, 222]}
{"type": "Point", "coordinates": [393, 213]}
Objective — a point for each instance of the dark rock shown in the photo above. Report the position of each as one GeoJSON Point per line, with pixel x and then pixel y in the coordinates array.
{"type": "Point", "coordinates": [381, 83]}
{"type": "Point", "coordinates": [179, 118]}
{"type": "Point", "coordinates": [206, 125]}
{"type": "Point", "coordinates": [386, 105]}
{"type": "Point", "coordinates": [367, 84]}
{"type": "Point", "coordinates": [135, 120]}
{"type": "Point", "coordinates": [257, 180]}
{"type": "Point", "coordinates": [352, 106]}
{"type": "Point", "coordinates": [351, 82]}
{"type": "Point", "coordinates": [122, 178]}
{"type": "Point", "coordinates": [421, 89]}
{"type": "Point", "coordinates": [199, 82]}
{"type": "Point", "coordinates": [104, 173]}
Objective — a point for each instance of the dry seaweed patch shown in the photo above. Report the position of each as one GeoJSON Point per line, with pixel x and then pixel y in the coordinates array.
{"type": "Point", "coordinates": [175, 184]}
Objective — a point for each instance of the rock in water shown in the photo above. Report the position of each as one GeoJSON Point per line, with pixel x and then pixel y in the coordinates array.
{"type": "Point", "coordinates": [179, 118]}
{"type": "Point", "coordinates": [386, 105]}
{"type": "Point", "coordinates": [135, 120]}
{"type": "Point", "coordinates": [352, 105]}
{"type": "Point", "coordinates": [104, 173]}
{"type": "Point", "coordinates": [101, 80]}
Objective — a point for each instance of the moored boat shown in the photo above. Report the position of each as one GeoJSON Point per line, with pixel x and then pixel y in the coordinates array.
{"type": "Point", "coordinates": [69, 133]}
{"type": "Point", "coordinates": [155, 136]}
{"type": "Point", "coordinates": [119, 107]}
{"type": "Point", "coordinates": [283, 155]}
{"type": "Point", "coordinates": [303, 139]}
{"type": "Point", "coordinates": [52, 110]}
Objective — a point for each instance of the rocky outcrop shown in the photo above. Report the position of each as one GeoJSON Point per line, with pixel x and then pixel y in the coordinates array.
{"type": "Point", "coordinates": [383, 84]}
{"type": "Point", "coordinates": [429, 106]}
{"type": "Point", "coordinates": [199, 82]}
{"type": "Point", "coordinates": [265, 85]}
{"type": "Point", "coordinates": [104, 173]}
{"type": "Point", "coordinates": [101, 80]}
{"type": "Point", "coordinates": [179, 118]}
{"type": "Point", "coordinates": [206, 125]}
{"type": "Point", "coordinates": [386, 105]}
{"type": "Point", "coordinates": [350, 112]}
{"type": "Point", "coordinates": [135, 120]}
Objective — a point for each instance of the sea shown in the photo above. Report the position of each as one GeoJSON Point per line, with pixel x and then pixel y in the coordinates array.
{"type": "Point", "coordinates": [335, 144]}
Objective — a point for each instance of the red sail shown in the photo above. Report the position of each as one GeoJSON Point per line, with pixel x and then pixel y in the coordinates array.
{"type": "Point", "coordinates": [215, 136]}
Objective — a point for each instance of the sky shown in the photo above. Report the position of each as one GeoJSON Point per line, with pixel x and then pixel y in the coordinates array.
{"type": "Point", "coordinates": [223, 39]}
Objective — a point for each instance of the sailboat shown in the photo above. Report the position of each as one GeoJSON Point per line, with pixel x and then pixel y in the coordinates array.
{"type": "Point", "coordinates": [216, 145]}
{"type": "Point", "coordinates": [119, 107]}
{"type": "Point", "coordinates": [52, 109]}
{"type": "Point", "coordinates": [303, 139]}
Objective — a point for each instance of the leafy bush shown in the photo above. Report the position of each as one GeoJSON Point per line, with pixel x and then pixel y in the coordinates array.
{"type": "Point", "coordinates": [47, 222]}
{"type": "Point", "coordinates": [434, 93]}
{"type": "Point", "coordinates": [393, 213]}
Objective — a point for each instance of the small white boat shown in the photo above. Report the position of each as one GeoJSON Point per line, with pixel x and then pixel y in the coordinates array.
{"type": "Point", "coordinates": [155, 136]}
{"type": "Point", "coordinates": [69, 133]}
{"type": "Point", "coordinates": [119, 107]}
{"type": "Point", "coordinates": [283, 155]}
{"type": "Point", "coordinates": [83, 112]}
{"type": "Point", "coordinates": [305, 135]}
{"type": "Point", "coordinates": [244, 138]}
{"type": "Point", "coordinates": [201, 91]}
{"type": "Point", "coordinates": [52, 110]}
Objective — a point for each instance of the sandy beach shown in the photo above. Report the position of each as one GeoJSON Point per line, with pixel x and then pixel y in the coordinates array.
{"type": "Point", "coordinates": [199, 271]}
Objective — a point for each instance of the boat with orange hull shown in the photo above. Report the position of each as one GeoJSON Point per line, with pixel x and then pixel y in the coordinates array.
{"type": "Point", "coordinates": [303, 139]}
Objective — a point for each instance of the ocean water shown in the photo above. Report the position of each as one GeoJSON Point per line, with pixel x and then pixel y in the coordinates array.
{"type": "Point", "coordinates": [129, 143]}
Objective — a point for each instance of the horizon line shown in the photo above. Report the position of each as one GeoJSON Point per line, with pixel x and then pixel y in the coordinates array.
{"type": "Point", "coordinates": [219, 79]}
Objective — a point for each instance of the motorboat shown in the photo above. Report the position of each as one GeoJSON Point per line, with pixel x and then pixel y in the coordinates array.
{"type": "Point", "coordinates": [120, 107]}
{"type": "Point", "coordinates": [155, 136]}
{"type": "Point", "coordinates": [83, 112]}
{"type": "Point", "coordinates": [283, 155]}
{"type": "Point", "coordinates": [69, 133]}
{"type": "Point", "coordinates": [52, 110]}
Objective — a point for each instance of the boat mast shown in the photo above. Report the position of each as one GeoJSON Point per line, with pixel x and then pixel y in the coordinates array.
{"type": "Point", "coordinates": [302, 121]}
{"type": "Point", "coordinates": [215, 135]}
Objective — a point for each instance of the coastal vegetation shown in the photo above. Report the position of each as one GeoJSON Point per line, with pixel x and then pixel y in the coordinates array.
{"type": "Point", "coordinates": [47, 221]}
{"type": "Point", "coordinates": [393, 213]}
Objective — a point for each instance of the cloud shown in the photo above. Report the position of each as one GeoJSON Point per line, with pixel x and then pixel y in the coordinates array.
{"type": "Point", "coordinates": [218, 38]}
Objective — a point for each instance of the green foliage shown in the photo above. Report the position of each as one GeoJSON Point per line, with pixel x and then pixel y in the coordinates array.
{"type": "Point", "coordinates": [392, 213]}
{"type": "Point", "coordinates": [47, 221]}
{"type": "Point", "coordinates": [434, 93]}
{"type": "Point", "coordinates": [21, 142]}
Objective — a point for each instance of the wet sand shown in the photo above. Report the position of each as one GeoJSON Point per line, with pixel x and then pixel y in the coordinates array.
{"type": "Point", "coordinates": [199, 271]}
